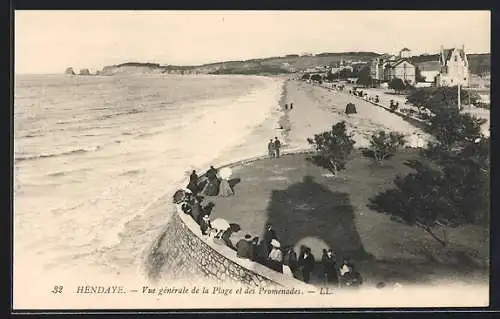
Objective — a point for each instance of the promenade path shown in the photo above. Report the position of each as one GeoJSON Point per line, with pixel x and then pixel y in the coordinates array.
{"type": "Point", "coordinates": [307, 206]}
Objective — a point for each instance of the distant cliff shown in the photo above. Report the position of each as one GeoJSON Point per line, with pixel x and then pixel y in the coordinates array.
{"type": "Point", "coordinates": [268, 66]}
{"type": "Point", "coordinates": [69, 71]}
{"type": "Point", "coordinates": [84, 72]}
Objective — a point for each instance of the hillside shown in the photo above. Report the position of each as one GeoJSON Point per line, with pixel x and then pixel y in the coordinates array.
{"type": "Point", "coordinates": [274, 65]}
{"type": "Point", "coordinates": [479, 63]}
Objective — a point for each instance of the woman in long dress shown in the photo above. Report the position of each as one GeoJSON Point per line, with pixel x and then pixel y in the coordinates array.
{"type": "Point", "coordinates": [212, 187]}
{"type": "Point", "coordinates": [225, 189]}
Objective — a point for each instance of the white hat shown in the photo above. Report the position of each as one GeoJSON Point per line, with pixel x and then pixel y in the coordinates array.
{"type": "Point", "coordinates": [275, 243]}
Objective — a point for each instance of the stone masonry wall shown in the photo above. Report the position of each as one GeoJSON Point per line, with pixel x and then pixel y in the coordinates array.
{"type": "Point", "coordinates": [182, 254]}
{"type": "Point", "coordinates": [186, 256]}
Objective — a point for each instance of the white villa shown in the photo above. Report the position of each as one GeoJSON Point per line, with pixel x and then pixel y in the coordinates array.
{"type": "Point", "coordinates": [454, 67]}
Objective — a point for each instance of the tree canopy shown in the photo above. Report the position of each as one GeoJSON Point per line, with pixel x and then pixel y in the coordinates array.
{"type": "Point", "coordinates": [453, 129]}
{"type": "Point", "coordinates": [364, 77]}
{"type": "Point", "coordinates": [334, 146]}
{"type": "Point", "coordinates": [397, 84]}
{"type": "Point", "coordinates": [454, 190]}
{"type": "Point", "coordinates": [441, 98]}
{"type": "Point", "coordinates": [383, 144]}
{"type": "Point", "coordinates": [316, 77]}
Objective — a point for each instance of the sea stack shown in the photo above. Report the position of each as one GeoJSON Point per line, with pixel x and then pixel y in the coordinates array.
{"type": "Point", "coordinates": [84, 72]}
{"type": "Point", "coordinates": [69, 71]}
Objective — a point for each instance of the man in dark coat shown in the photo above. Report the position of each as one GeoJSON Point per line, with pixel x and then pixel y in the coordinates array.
{"type": "Point", "coordinates": [290, 259]}
{"type": "Point", "coordinates": [277, 146]}
{"type": "Point", "coordinates": [329, 263]}
{"type": "Point", "coordinates": [212, 187]}
{"type": "Point", "coordinates": [196, 209]}
{"type": "Point", "coordinates": [193, 182]}
{"type": "Point", "coordinates": [205, 225]}
{"type": "Point", "coordinates": [270, 148]}
{"type": "Point", "coordinates": [211, 173]}
{"type": "Point", "coordinates": [244, 247]}
{"type": "Point", "coordinates": [306, 264]}
{"type": "Point", "coordinates": [269, 235]}
{"type": "Point", "coordinates": [255, 249]}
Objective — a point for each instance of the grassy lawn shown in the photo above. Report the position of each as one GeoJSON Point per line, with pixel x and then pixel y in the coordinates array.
{"type": "Point", "coordinates": [307, 206]}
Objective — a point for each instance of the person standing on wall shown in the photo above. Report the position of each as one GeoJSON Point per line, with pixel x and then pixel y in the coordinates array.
{"type": "Point", "coordinates": [277, 146]}
{"type": "Point", "coordinates": [193, 183]}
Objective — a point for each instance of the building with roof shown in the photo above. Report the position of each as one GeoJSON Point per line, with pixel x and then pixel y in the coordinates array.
{"type": "Point", "coordinates": [401, 69]}
{"type": "Point", "coordinates": [405, 53]}
{"type": "Point", "coordinates": [387, 67]}
{"type": "Point", "coordinates": [454, 67]}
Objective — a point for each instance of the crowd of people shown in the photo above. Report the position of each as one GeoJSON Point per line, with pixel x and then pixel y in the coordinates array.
{"type": "Point", "coordinates": [215, 186]}
{"type": "Point", "coordinates": [267, 250]}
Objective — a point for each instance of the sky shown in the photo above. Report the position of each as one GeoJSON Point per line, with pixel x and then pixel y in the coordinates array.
{"type": "Point", "coordinates": [50, 41]}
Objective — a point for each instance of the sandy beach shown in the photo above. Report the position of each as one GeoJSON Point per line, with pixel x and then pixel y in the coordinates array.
{"type": "Point", "coordinates": [316, 109]}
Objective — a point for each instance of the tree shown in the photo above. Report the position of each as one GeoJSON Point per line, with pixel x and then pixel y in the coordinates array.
{"type": "Point", "coordinates": [397, 84]}
{"type": "Point", "coordinates": [364, 77]}
{"type": "Point", "coordinates": [334, 146]}
{"type": "Point", "coordinates": [316, 77]}
{"type": "Point", "coordinates": [453, 129]}
{"type": "Point", "coordinates": [344, 73]}
{"type": "Point", "coordinates": [441, 99]}
{"type": "Point", "coordinates": [420, 199]}
{"type": "Point", "coordinates": [384, 144]}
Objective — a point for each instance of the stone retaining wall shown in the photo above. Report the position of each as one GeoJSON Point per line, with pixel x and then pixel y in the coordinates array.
{"type": "Point", "coordinates": [183, 254]}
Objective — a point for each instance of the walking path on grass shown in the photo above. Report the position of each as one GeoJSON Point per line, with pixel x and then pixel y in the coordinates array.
{"type": "Point", "coordinates": [307, 206]}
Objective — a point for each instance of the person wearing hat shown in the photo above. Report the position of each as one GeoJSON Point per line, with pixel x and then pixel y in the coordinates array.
{"type": "Point", "coordinates": [193, 182]}
{"type": "Point", "coordinates": [306, 263]}
{"type": "Point", "coordinates": [244, 247]}
{"type": "Point", "coordinates": [269, 235]}
{"type": "Point", "coordinates": [350, 277]}
{"type": "Point", "coordinates": [205, 225]}
{"type": "Point", "coordinates": [275, 257]}
{"type": "Point", "coordinates": [329, 263]}
{"type": "Point", "coordinates": [277, 146]}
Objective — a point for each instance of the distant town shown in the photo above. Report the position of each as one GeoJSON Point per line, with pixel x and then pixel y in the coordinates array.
{"type": "Point", "coordinates": [449, 67]}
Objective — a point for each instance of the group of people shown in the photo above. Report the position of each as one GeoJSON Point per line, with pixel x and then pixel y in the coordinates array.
{"type": "Point", "coordinates": [266, 251]}
{"type": "Point", "coordinates": [273, 147]}
{"type": "Point", "coordinates": [215, 186]}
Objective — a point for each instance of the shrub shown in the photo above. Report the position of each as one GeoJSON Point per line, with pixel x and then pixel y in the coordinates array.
{"type": "Point", "coordinates": [334, 146]}
{"type": "Point", "coordinates": [397, 84]}
{"type": "Point", "coordinates": [384, 144]}
{"type": "Point", "coordinates": [453, 128]}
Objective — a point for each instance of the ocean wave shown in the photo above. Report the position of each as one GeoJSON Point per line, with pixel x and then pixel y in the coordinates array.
{"type": "Point", "coordinates": [72, 152]}
{"type": "Point", "coordinates": [133, 111]}
{"type": "Point", "coordinates": [131, 172]}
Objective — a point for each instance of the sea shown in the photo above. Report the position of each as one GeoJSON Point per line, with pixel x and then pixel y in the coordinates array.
{"type": "Point", "coordinates": [93, 156]}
